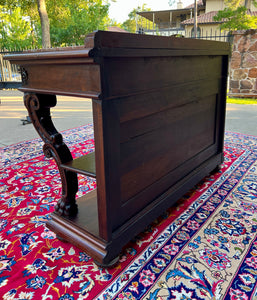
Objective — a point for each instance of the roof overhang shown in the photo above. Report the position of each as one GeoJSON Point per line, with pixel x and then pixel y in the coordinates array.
{"type": "Point", "coordinates": [163, 16]}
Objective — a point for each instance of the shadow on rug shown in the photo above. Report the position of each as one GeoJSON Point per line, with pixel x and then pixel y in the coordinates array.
{"type": "Point", "coordinates": [205, 247]}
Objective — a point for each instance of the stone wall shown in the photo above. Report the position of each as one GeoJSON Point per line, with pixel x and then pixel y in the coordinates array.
{"type": "Point", "coordinates": [243, 64]}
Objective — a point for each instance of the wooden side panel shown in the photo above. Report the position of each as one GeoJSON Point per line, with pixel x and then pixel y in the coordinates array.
{"type": "Point", "coordinates": [150, 103]}
{"type": "Point", "coordinates": [128, 76]}
{"type": "Point", "coordinates": [167, 124]}
{"type": "Point", "coordinates": [152, 152]}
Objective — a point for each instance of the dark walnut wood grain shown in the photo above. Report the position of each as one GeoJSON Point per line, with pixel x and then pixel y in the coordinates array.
{"type": "Point", "coordinates": [159, 112]}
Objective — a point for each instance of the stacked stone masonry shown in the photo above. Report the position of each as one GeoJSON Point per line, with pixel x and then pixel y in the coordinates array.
{"type": "Point", "coordinates": [243, 64]}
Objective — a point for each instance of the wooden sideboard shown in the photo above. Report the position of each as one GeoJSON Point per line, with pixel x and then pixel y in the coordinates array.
{"type": "Point", "coordinates": [159, 112]}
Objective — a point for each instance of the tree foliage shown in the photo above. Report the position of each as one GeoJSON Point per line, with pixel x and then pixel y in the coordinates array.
{"type": "Point", "coordinates": [76, 18]}
{"type": "Point", "coordinates": [135, 20]}
{"type": "Point", "coordinates": [235, 16]}
{"type": "Point", "coordinates": [130, 24]}
{"type": "Point", "coordinates": [70, 21]}
{"type": "Point", "coordinates": [15, 30]}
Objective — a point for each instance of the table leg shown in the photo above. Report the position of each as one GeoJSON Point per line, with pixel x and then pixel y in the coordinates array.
{"type": "Point", "coordinates": [38, 106]}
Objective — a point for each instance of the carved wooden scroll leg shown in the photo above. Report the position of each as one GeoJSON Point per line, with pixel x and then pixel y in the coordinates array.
{"type": "Point", "coordinates": [38, 106]}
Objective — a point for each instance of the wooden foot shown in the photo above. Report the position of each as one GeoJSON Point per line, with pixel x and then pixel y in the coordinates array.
{"type": "Point", "coordinates": [216, 170]}
{"type": "Point", "coordinates": [112, 263]}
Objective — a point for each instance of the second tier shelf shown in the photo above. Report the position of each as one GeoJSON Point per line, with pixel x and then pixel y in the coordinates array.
{"type": "Point", "coordinates": [83, 165]}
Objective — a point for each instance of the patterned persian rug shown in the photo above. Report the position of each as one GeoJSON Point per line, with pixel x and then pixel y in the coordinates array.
{"type": "Point", "coordinates": [205, 247]}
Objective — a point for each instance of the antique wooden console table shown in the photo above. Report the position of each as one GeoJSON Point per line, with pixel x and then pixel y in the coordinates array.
{"type": "Point", "coordinates": [158, 109]}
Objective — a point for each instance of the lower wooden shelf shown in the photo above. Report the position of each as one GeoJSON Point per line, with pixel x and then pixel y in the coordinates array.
{"type": "Point", "coordinates": [87, 216]}
{"type": "Point", "coordinates": [83, 230]}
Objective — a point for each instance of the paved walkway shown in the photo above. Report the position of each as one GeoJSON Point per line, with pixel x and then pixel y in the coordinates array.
{"type": "Point", "coordinates": [242, 118]}
{"type": "Point", "coordinates": [67, 114]}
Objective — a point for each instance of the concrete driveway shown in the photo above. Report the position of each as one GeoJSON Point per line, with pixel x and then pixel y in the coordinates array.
{"type": "Point", "coordinates": [242, 118]}
{"type": "Point", "coordinates": [66, 115]}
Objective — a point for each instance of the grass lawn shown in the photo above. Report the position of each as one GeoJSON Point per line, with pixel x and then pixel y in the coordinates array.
{"type": "Point", "coordinates": [241, 100]}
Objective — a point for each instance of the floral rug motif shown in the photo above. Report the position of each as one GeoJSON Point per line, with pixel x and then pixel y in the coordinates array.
{"type": "Point", "coordinates": [205, 247]}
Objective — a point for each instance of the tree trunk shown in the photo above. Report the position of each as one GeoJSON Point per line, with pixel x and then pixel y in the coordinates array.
{"type": "Point", "coordinates": [46, 43]}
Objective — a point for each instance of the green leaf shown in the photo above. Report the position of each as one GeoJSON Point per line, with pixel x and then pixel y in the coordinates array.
{"type": "Point", "coordinates": [235, 18]}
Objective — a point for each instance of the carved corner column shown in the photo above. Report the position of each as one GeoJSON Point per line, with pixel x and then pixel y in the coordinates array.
{"type": "Point", "coordinates": [38, 106]}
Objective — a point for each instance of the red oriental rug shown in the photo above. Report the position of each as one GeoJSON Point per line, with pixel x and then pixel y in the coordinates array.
{"type": "Point", "coordinates": [203, 248]}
